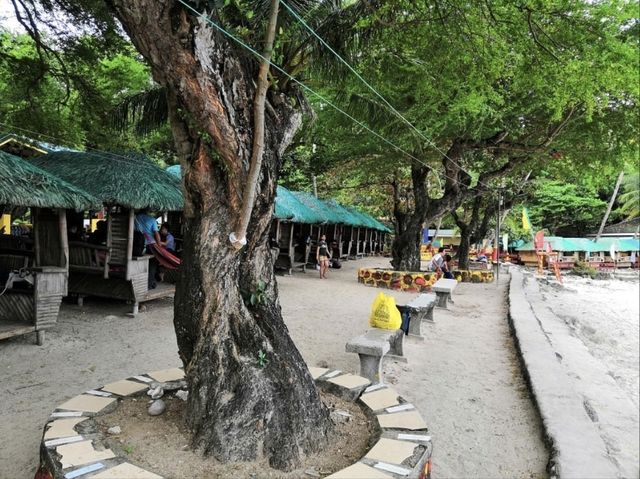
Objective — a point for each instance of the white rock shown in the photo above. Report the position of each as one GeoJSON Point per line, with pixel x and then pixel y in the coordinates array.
{"type": "Point", "coordinates": [157, 407]}
{"type": "Point", "coordinates": [156, 393]}
{"type": "Point", "coordinates": [182, 395]}
{"type": "Point", "coordinates": [115, 430]}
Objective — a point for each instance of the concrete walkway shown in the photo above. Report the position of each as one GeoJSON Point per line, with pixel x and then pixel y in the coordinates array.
{"type": "Point", "coordinates": [591, 422]}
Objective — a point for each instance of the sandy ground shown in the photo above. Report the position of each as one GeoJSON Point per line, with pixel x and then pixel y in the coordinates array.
{"type": "Point", "coordinates": [593, 328]}
{"type": "Point", "coordinates": [464, 378]}
{"type": "Point", "coordinates": [604, 315]}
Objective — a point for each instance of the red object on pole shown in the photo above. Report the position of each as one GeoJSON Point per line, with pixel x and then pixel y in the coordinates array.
{"type": "Point", "coordinates": [538, 240]}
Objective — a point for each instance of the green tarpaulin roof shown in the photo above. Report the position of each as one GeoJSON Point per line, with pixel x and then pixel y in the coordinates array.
{"type": "Point", "coordinates": [133, 182]}
{"type": "Point", "coordinates": [585, 244]}
{"type": "Point", "coordinates": [23, 184]}
{"type": "Point", "coordinates": [302, 207]}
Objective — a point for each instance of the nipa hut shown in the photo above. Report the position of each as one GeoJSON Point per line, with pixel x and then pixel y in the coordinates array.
{"type": "Point", "coordinates": [596, 254]}
{"type": "Point", "coordinates": [124, 185]}
{"type": "Point", "coordinates": [34, 266]}
{"type": "Point", "coordinates": [300, 219]}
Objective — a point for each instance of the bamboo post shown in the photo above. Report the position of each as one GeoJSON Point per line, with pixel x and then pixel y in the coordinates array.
{"type": "Point", "coordinates": [64, 240]}
{"type": "Point", "coordinates": [109, 242]}
{"type": "Point", "coordinates": [35, 213]}
{"type": "Point", "coordinates": [130, 228]}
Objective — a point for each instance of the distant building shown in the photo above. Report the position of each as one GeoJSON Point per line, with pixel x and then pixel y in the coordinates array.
{"type": "Point", "coordinates": [446, 237]}
{"type": "Point", "coordinates": [624, 229]}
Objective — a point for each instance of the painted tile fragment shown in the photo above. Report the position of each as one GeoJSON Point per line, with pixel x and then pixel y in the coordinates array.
{"type": "Point", "coordinates": [124, 387]}
{"type": "Point", "coordinates": [80, 453]}
{"type": "Point", "coordinates": [350, 381]}
{"type": "Point", "coordinates": [87, 403]}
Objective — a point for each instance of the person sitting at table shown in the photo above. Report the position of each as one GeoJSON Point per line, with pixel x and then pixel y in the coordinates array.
{"type": "Point", "coordinates": [166, 239]}
{"type": "Point", "coordinates": [99, 236]}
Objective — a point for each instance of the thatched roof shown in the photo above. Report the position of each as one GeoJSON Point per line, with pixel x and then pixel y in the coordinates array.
{"type": "Point", "coordinates": [132, 182]}
{"type": "Point", "coordinates": [23, 184]}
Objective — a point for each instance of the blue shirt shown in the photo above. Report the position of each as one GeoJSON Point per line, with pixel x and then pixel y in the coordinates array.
{"type": "Point", "coordinates": [171, 242]}
{"type": "Point", "coordinates": [148, 226]}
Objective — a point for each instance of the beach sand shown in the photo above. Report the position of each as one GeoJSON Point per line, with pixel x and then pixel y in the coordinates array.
{"type": "Point", "coordinates": [464, 378]}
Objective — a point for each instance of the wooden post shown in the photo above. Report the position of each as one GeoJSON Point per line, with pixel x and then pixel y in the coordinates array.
{"type": "Point", "coordinates": [35, 213]}
{"type": "Point", "coordinates": [130, 241]}
{"type": "Point", "coordinates": [109, 241]}
{"type": "Point", "coordinates": [64, 240]}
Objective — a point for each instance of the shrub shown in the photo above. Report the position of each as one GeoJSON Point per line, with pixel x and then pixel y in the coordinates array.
{"type": "Point", "coordinates": [583, 269]}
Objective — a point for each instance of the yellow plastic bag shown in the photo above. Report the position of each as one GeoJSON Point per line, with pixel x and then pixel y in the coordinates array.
{"type": "Point", "coordinates": [384, 314]}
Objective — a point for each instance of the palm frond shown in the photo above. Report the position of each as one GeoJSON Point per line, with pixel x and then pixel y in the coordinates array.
{"type": "Point", "coordinates": [145, 112]}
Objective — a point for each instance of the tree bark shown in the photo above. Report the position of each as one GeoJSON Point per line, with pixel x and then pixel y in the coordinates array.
{"type": "Point", "coordinates": [405, 249]}
{"type": "Point", "coordinates": [240, 407]}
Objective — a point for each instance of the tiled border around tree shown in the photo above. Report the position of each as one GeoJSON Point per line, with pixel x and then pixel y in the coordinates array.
{"type": "Point", "coordinates": [73, 447]}
{"type": "Point", "coordinates": [414, 281]}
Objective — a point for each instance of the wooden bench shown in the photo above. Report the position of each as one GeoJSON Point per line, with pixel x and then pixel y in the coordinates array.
{"type": "Point", "coordinates": [90, 258]}
{"type": "Point", "coordinates": [443, 289]}
{"type": "Point", "coordinates": [419, 309]}
{"type": "Point", "coordinates": [372, 346]}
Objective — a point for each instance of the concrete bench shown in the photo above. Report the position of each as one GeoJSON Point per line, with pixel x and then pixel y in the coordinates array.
{"type": "Point", "coordinates": [443, 289]}
{"type": "Point", "coordinates": [420, 309]}
{"type": "Point", "coordinates": [372, 346]}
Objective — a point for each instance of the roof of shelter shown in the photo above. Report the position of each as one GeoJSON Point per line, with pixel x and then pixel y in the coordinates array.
{"type": "Point", "coordinates": [129, 181]}
{"type": "Point", "coordinates": [24, 184]}
{"type": "Point", "coordinates": [303, 207]}
{"type": "Point", "coordinates": [38, 147]}
{"type": "Point", "coordinates": [585, 244]}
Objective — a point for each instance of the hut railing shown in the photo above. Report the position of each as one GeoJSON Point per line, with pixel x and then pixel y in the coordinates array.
{"type": "Point", "coordinates": [89, 257]}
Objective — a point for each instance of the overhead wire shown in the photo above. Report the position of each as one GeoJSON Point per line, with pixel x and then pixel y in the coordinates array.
{"type": "Point", "coordinates": [243, 44]}
{"type": "Point", "coordinates": [372, 89]}
{"type": "Point", "coordinates": [129, 160]}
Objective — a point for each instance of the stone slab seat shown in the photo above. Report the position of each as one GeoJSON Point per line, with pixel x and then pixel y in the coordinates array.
{"type": "Point", "coordinates": [443, 289]}
{"type": "Point", "coordinates": [372, 346]}
{"type": "Point", "coordinates": [420, 309]}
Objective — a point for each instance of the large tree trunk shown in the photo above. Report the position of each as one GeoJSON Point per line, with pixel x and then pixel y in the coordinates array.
{"type": "Point", "coordinates": [240, 406]}
{"type": "Point", "coordinates": [405, 248]}
{"type": "Point", "coordinates": [463, 249]}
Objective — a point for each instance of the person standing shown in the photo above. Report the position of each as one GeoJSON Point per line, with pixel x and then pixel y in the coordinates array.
{"type": "Point", "coordinates": [323, 256]}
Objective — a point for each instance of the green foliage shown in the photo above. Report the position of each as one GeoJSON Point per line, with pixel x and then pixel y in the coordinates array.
{"type": "Point", "coordinates": [262, 360]}
{"type": "Point", "coordinates": [463, 72]}
{"type": "Point", "coordinates": [256, 296]}
{"type": "Point", "coordinates": [630, 199]}
{"type": "Point", "coordinates": [67, 100]}
{"type": "Point", "coordinates": [581, 268]}
{"type": "Point", "coordinates": [565, 209]}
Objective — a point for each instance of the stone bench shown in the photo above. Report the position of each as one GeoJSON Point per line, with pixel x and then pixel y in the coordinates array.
{"type": "Point", "coordinates": [420, 309]}
{"type": "Point", "coordinates": [443, 289]}
{"type": "Point", "coordinates": [372, 346]}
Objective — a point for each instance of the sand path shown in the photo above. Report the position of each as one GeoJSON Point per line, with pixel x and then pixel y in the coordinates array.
{"type": "Point", "coordinates": [464, 378]}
